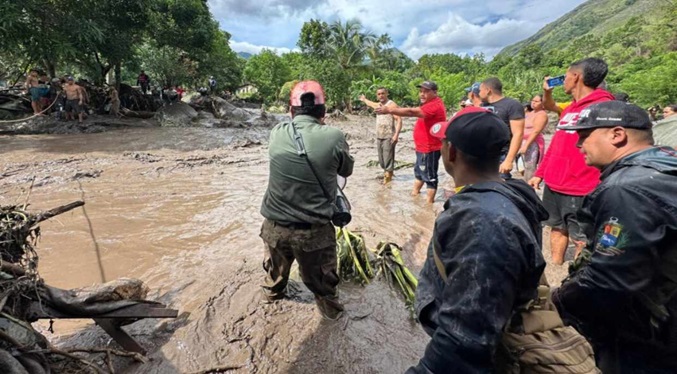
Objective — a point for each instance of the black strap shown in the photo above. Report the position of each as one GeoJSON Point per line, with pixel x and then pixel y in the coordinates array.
{"type": "Point", "coordinates": [301, 151]}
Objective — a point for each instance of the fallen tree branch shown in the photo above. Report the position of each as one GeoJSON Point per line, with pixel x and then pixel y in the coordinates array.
{"type": "Point", "coordinates": [58, 210]}
{"type": "Point", "coordinates": [59, 352]}
{"type": "Point", "coordinates": [136, 356]}
{"type": "Point", "coordinates": [12, 269]}
{"type": "Point", "coordinates": [219, 369]}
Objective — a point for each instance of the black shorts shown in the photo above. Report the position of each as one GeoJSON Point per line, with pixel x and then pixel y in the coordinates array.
{"type": "Point", "coordinates": [427, 165]}
{"type": "Point", "coordinates": [73, 106]}
{"type": "Point", "coordinates": [562, 210]}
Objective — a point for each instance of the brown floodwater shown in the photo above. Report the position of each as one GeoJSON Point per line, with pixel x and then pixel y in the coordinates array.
{"type": "Point", "coordinates": [179, 209]}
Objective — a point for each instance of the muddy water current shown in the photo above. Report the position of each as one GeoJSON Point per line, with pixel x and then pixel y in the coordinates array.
{"type": "Point", "coordinates": [179, 209]}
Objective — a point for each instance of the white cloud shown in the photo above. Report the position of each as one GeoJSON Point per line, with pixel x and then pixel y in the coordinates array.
{"type": "Point", "coordinates": [438, 26]}
{"type": "Point", "coordinates": [457, 35]}
{"type": "Point", "coordinates": [255, 49]}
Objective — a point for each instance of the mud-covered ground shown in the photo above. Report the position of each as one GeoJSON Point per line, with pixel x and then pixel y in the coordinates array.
{"type": "Point", "coordinates": [179, 209]}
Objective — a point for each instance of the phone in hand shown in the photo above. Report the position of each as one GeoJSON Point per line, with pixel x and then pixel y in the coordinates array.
{"type": "Point", "coordinates": [555, 81]}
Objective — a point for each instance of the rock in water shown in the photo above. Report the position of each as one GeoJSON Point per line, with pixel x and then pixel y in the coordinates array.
{"type": "Point", "coordinates": [176, 115]}
{"type": "Point", "coordinates": [223, 109]}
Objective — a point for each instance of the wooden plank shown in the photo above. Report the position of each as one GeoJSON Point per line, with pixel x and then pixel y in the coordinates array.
{"type": "Point", "coordinates": [141, 310]}
{"type": "Point", "coordinates": [119, 335]}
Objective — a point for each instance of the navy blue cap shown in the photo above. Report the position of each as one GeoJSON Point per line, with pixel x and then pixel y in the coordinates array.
{"type": "Point", "coordinates": [475, 88]}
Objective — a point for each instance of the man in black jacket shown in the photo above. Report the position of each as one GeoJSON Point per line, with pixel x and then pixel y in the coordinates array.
{"type": "Point", "coordinates": [484, 258]}
{"type": "Point", "coordinates": [620, 295]}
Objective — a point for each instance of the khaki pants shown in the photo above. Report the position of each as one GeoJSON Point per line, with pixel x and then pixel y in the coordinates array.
{"type": "Point", "coordinates": [315, 251]}
{"type": "Point", "coordinates": [386, 153]}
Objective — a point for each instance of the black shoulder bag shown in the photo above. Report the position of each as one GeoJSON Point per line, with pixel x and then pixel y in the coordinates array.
{"type": "Point", "coordinates": [341, 207]}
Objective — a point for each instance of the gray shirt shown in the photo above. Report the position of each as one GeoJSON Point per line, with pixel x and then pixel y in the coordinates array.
{"type": "Point", "coordinates": [665, 132]}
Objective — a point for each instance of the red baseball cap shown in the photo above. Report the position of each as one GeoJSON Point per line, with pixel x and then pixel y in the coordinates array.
{"type": "Point", "coordinates": [439, 130]}
{"type": "Point", "coordinates": [306, 87]}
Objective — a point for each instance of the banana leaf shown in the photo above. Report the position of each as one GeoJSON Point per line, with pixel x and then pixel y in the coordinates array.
{"type": "Point", "coordinates": [390, 263]}
{"type": "Point", "coordinates": [354, 262]}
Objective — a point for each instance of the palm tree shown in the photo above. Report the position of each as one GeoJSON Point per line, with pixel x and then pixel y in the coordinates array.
{"type": "Point", "coordinates": [349, 43]}
{"type": "Point", "coordinates": [377, 50]}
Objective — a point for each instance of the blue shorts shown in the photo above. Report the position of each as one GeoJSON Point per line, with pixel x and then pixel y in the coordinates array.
{"type": "Point", "coordinates": [427, 165]}
{"type": "Point", "coordinates": [36, 93]}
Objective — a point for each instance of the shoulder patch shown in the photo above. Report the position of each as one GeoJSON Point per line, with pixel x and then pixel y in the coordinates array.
{"type": "Point", "coordinates": [611, 238]}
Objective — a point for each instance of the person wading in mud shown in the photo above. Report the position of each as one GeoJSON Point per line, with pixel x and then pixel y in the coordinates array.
{"type": "Point", "coordinates": [297, 212]}
{"type": "Point", "coordinates": [388, 129]}
{"type": "Point", "coordinates": [33, 86]}
{"type": "Point", "coordinates": [74, 100]}
{"type": "Point", "coordinates": [484, 258]}
{"type": "Point", "coordinates": [430, 112]}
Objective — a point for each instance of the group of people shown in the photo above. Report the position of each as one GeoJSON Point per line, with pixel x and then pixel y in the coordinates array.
{"type": "Point", "coordinates": [607, 187]}
{"type": "Point", "coordinates": [43, 93]}
{"type": "Point", "coordinates": [37, 89]}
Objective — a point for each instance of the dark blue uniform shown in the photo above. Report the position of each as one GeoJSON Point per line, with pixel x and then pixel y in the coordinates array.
{"type": "Point", "coordinates": [622, 296]}
{"type": "Point", "coordinates": [489, 240]}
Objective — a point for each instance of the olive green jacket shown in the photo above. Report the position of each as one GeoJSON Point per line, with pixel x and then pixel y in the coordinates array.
{"type": "Point", "coordinates": [293, 193]}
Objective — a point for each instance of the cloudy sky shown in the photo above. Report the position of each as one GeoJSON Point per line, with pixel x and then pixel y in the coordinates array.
{"type": "Point", "coordinates": [434, 26]}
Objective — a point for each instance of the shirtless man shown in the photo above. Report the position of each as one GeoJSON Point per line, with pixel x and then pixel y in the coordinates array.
{"type": "Point", "coordinates": [388, 127]}
{"type": "Point", "coordinates": [33, 86]}
{"type": "Point", "coordinates": [74, 99]}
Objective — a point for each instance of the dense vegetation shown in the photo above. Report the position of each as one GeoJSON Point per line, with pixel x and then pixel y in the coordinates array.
{"type": "Point", "coordinates": [178, 42]}
{"type": "Point", "coordinates": [638, 38]}
{"type": "Point", "coordinates": [175, 41]}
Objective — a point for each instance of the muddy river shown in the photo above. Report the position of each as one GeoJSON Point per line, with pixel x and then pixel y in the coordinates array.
{"type": "Point", "coordinates": [179, 209]}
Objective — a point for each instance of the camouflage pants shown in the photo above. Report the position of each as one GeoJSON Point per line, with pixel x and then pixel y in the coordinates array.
{"type": "Point", "coordinates": [315, 251]}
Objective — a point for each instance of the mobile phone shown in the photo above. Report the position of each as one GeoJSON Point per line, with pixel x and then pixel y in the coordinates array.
{"type": "Point", "coordinates": [556, 81]}
{"type": "Point", "coordinates": [489, 108]}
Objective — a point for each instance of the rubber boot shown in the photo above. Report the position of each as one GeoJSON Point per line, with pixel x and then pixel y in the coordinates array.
{"type": "Point", "coordinates": [387, 177]}
{"type": "Point", "coordinates": [330, 308]}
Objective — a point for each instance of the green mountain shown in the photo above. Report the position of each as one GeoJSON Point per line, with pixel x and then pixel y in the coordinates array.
{"type": "Point", "coordinates": [594, 17]}
{"type": "Point", "coordinates": [244, 55]}
{"type": "Point", "coordinates": [637, 39]}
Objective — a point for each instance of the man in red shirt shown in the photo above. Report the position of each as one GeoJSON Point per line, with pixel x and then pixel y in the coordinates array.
{"type": "Point", "coordinates": [428, 147]}
{"type": "Point", "coordinates": [567, 178]}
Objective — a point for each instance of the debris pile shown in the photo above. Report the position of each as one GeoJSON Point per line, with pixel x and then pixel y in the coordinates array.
{"type": "Point", "coordinates": [24, 298]}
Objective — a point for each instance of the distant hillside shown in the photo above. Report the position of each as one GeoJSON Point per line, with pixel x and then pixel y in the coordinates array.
{"type": "Point", "coordinates": [245, 55]}
{"type": "Point", "coordinates": [594, 17]}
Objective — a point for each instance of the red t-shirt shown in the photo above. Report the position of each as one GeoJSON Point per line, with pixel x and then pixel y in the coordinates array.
{"type": "Point", "coordinates": [433, 112]}
{"type": "Point", "coordinates": [563, 168]}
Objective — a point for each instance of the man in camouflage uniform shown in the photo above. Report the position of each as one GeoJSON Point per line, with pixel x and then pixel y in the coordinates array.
{"type": "Point", "coordinates": [297, 212]}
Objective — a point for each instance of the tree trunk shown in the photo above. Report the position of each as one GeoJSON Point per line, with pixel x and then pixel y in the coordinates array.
{"type": "Point", "coordinates": [103, 70]}
{"type": "Point", "coordinates": [50, 66]}
{"type": "Point", "coordinates": [118, 75]}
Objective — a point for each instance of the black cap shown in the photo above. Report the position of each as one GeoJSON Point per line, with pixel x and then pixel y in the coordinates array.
{"type": "Point", "coordinates": [611, 114]}
{"type": "Point", "coordinates": [428, 85]}
{"type": "Point", "coordinates": [475, 131]}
